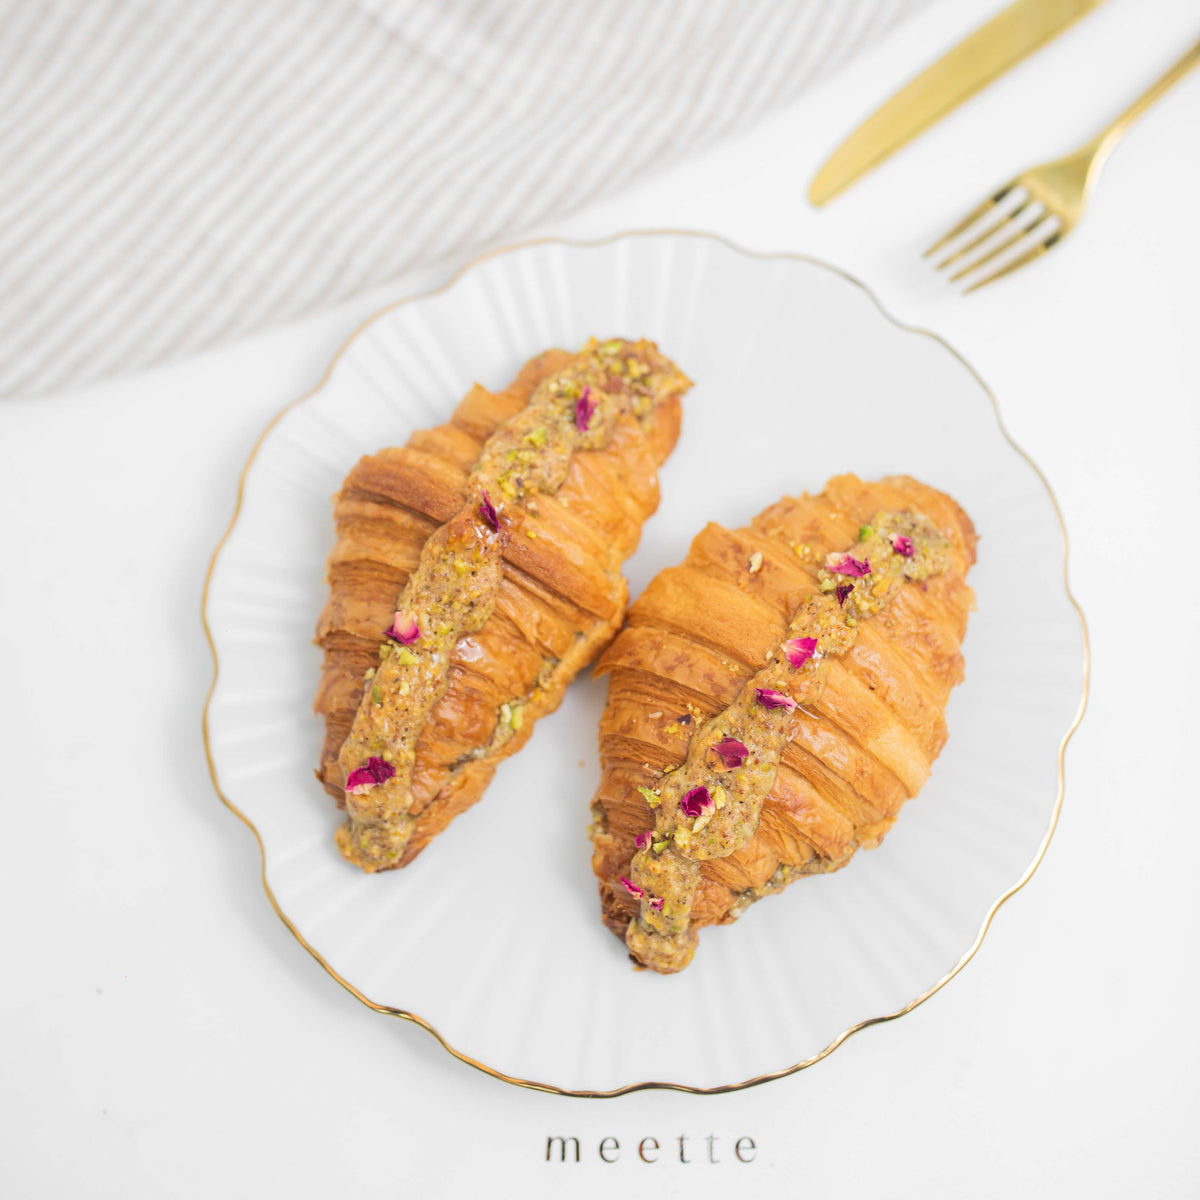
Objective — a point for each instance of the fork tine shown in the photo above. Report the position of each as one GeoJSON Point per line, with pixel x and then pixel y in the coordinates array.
{"type": "Point", "coordinates": [1019, 223]}
{"type": "Point", "coordinates": [1014, 220]}
{"type": "Point", "coordinates": [1035, 251]}
{"type": "Point", "coordinates": [970, 219]}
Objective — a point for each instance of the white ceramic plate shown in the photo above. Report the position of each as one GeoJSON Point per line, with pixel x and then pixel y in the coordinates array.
{"type": "Point", "coordinates": [799, 375]}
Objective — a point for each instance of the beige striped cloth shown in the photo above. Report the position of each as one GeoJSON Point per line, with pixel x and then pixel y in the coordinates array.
{"type": "Point", "coordinates": [178, 172]}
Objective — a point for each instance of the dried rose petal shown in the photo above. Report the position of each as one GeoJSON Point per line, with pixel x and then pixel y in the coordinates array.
{"type": "Point", "coordinates": [488, 512]}
{"type": "Point", "coordinates": [769, 698]}
{"type": "Point", "coordinates": [404, 629]}
{"type": "Point", "coordinates": [585, 406]}
{"type": "Point", "coordinates": [902, 545]}
{"type": "Point", "coordinates": [843, 590]}
{"type": "Point", "coordinates": [696, 802]}
{"type": "Point", "coordinates": [644, 839]}
{"type": "Point", "coordinates": [730, 751]}
{"type": "Point", "coordinates": [849, 565]}
{"type": "Point", "coordinates": [632, 888]}
{"type": "Point", "coordinates": [657, 904]}
{"type": "Point", "coordinates": [363, 779]}
{"type": "Point", "coordinates": [799, 650]}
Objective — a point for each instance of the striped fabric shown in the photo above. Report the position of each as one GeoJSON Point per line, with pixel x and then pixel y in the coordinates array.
{"type": "Point", "coordinates": [178, 172]}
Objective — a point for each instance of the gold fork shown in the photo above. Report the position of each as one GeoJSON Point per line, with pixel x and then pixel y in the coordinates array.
{"type": "Point", "coordinates": [1047, 200]}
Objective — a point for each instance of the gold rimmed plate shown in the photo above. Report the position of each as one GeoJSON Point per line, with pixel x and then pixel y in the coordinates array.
{"type": "Point", "coordinates": [491, 940]}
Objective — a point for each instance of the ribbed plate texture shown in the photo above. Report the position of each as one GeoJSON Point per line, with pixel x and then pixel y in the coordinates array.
{"type": "Point", "coordinates": [493, 934]}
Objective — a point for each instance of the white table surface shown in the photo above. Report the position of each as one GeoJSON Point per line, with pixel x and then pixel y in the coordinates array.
{"type": "Point", "coordinates": [164, 1035]}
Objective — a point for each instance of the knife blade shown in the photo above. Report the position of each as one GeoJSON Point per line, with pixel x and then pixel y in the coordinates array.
{"type": "Point", "coordinates": [1013, 34]}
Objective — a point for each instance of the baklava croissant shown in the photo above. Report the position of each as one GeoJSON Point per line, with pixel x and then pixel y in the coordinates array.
{"type": "Point", "coordinates": [772, 703]}
{"type": "Point", "coordinates": [477, 570]}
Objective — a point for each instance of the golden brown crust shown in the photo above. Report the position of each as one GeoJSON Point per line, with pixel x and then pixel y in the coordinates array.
{"type": "Point", "coordinates": [562, 596]}
{"type": "Point", "coordinates": [702, 628]}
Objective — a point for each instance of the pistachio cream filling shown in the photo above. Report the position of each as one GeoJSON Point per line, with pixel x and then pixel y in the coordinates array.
{"type": "Point", "coordinates": [709, 806]}
{"type": "Point", "coordinates": [452, 592]}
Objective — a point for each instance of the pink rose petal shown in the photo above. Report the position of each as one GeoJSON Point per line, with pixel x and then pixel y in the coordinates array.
{"type": "Point", "coordinates": [632, 888]}
{"type": "Point", "coordinates": [902, 545]}
{"type": "Point", "coordinates": [695, 802]}
{"type": "Point", "coordinates": [404, 629]}
{"type": "Point", "coordinates": [849, 565]}
{"type": "Point", "coordinates": [799, 650]}
{"type": "Point", "coordinates": [769, 698]}
{"type": "Point", "coordinates": [730, 751]}
{"type": "Point", "coordinates": [657, 904]}
{"type": "Point", "coordinates": [644, 839]}
{"type": "Point", "coordinates": [488, 512]}
{"type": "Point", "coordinates": [363, 779]}
{"type": "Point", "coordinates": [585, 406]}
{"type": "Point", "coordinates": [843, 590]}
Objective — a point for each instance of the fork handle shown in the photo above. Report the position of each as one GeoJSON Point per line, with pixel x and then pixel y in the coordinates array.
{"type": "Point", "coordinates": [1107, 138]}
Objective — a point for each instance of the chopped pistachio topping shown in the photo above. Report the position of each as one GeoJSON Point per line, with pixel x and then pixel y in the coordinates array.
{"type": "Point", "coordinates": [650, 795]}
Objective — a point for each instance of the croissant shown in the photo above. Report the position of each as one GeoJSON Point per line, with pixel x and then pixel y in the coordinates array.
{"type": "Point", "coordinates": [476, 572]}
{"type": "Point", "coordinates": [772, 702]}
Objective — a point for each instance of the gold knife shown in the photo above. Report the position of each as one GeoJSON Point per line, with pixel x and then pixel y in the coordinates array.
{"type": "Point", "coordinates": [984, 55]}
